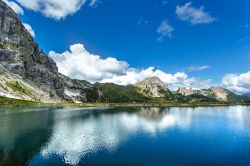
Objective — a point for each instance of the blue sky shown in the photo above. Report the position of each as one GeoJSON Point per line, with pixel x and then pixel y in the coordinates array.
{"type": "Point", "coordinates": [203, 39]}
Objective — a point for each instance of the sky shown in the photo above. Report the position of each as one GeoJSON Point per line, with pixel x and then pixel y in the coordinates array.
{"type": "Point", "coordinates": [185, 43]}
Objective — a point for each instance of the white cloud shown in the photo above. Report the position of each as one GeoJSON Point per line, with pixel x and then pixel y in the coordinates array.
{"type": "Point", "coordinates": [194, 15]}
{"type": "Point", "coordinates": [78, 63]}
{"type": "Point", "coordinates": [14, 6]}
{"type": "Point", "coordinates": [165, 30]}
{"type": "Point", "coordinates": [57, 9]}
{"type": "Point", "coordinates": [198, 68]}
{"type": "Point", "coordinates": [239, 83]}
{"type": "Point", "coordinates": [29, 28]}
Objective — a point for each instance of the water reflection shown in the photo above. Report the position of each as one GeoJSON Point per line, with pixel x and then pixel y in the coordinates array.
{"type": "Point", "coordinates": [239, 118]}
{"type": "Point", "coordinates": [18, 143]}
{"type": "Point", "coordinates": [106, 131]}
{"type": "Point", "coordinates": [75, 133]}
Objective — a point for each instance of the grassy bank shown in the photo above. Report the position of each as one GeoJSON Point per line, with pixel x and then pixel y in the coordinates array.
{"type": "Point", "coordinates": [8, 102]}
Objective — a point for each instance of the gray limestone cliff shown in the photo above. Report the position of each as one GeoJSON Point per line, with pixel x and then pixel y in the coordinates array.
{"type": "Point", "coordinates": [21, 58]}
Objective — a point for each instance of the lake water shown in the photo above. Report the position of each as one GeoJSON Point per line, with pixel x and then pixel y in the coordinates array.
{"type": "Point", "coordinates": [149, 136]}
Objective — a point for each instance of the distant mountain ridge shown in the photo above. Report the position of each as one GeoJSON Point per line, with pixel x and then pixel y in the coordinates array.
{"type": "Point", "coordinates": [26, 72]}
{"type": "Point", "coordinates": [154, 90]}
{"type": "Point", "coordinates": [218, 93]}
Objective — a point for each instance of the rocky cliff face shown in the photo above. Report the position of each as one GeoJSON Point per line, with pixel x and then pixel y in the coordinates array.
{"type": "Point", "coordinates": [152, 87]}
{"type": "Point", "coordinates": [187, 91]}
{"type": "Point", "coordinates": [21, 56]}
{"type": "Point", "coordinates": [220, 93]}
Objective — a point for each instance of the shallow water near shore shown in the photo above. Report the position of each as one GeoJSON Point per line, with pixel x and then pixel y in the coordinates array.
{"type": "Point", "coordinates": [145, 136]}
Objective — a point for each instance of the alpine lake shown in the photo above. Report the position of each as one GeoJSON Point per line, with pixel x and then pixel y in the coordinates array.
{"type": "Point", "coordinates": [125, 136]}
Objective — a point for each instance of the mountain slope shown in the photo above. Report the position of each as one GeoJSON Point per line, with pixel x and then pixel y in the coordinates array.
{"type": "Point", "coordinates": [113, 93]}
{"type": "Point", "coordinates": [21, 56]}
{"type": "Point", "coordinates": [213, 93]}
{"type": "Point", "coordinates": [153, 87]}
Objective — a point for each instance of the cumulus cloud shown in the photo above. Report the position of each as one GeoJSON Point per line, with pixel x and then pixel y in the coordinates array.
{"type": "Point", "coordinates": [78, 63]}
{"type": "Point", "coordinates": [165, 30]}
{"type": "Point", "coordinates": [238, 83]}
{"type": "Point", "coordinates": [14, 6]}
{"type": "Point", "coordinates": [57, 9]}
{"type": "Point", "coordinates": [194, 15]}
{"type": "Point", "coordinates": [29, 28]}
{"type": "Point", "coordinates": [198, 68]}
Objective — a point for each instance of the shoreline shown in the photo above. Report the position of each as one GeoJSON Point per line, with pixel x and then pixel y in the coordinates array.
{"type": "Point", "coordinates": [9, 102]}
{"type": "Point", "coordinates": [79, 105]}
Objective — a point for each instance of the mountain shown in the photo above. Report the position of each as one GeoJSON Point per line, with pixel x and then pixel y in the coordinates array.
{"type": "Point", "coordinates": [112, 93]}
{"type": "Point", "coordinates": [216, 93]}
{"type": "Point", "coordinates": [153, 87]}
{"type": "Point", "coordinates": [26, 72]}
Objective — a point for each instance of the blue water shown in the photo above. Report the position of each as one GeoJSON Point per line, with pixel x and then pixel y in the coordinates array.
{"type": "Point", "coordinates": [147, 136]}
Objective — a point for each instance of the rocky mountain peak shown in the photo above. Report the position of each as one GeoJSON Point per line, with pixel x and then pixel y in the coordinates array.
{"type": "Point", "coordinates": [152, 81]}
{"type": "Point", "coordinates": [220, 93]}
{"type": "Point", "coordinates": [152, 86]}
{"type": "Point", "coordinates": [187, 91]}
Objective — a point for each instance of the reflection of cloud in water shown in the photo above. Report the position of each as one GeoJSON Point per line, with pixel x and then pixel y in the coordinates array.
{"type": "Point", "coordinates": [75, 139]}
{"type": "Point", "coordinates": [239, 118]}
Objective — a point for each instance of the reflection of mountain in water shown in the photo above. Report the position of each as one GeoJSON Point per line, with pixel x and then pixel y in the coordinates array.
{"type": "Point", "coordinates": [106, 131]}
{"type": "Point", "coordinates": [22, 135]}
{"type": "Point", "coordinates": [153, 113]}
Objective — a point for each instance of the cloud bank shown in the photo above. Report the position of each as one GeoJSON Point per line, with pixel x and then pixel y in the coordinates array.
{"type": "Point", "coordinates": [78, 63]}
{"type": "Point", "coordinates": [194, 15]}
{"type": "Point", "coordinates": [239, 83]}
